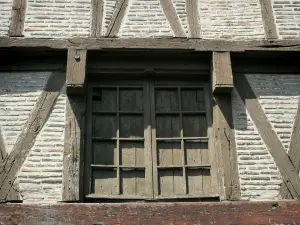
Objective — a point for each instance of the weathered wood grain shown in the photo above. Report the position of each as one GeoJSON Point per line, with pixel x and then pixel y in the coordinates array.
{"type": "Point", "coordinates": [288, 171]}
{"type": "Point", "coordinates": [14, 193]}
{"type": "Point", "coordinates": [294, 153]}
{"type": "Point", "coordinates": [76, 71]}
{"type": "Point", "coordinates": [240, 213]}
{"type": "Point", "coordinates": [97, 18]}
{"type": "Point", "coordinates": [268, 19]}
{"type": "Point", "coordinates": [116, 20]}
{"type": "Point", "coordinates": [74, 135]}
{"type": "Point", "coordinates": [172, 17]}
{"type": "Point", "coordinates": [225, 146]}
{"type": "Point", "coordinates": [193, 18]}
{"type": "Point", "coordinates": [152, 43]}
{"type": "Point", "coordinates": [26, 139]}
{"type": "Point", "coordinates": [17, 18]}
{"type": "Point", "coordinates": [222, 72]}
{"type": "Point", "coordinates": [3, 153]}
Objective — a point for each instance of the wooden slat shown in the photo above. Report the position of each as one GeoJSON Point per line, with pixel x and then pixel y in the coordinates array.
{"type": "Point", "coordinates": [294, 153]}
{"type": "Point", "coordinates": [172, 17]}
{"type": "Point", "coordinates": [268, 19]}
{"type": "Point", "coordinates": [288, 171]}
{"type": "Point", "coordinates": [222, 72]}
{"type": "Point", "coordinates": [17, 18]}
{"type": "Point", "coordinates": [76, 68]}
{"type": "Point", "coordinates": [26, 139]}
{"type": "Point", "coordinates": [193, 18]}
{"type": "Point", "coordinates": [97, 17]}
{"type": "Point", "coordinates": [73, 141]}
{"type": "Point", "coordinates": [116, 20]}
{"type": "Point", "coordinates": [225, 144]}
{"type": "Point", "coordinates": [152, 43]}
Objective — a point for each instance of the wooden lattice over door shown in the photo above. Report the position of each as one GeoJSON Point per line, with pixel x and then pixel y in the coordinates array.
{"type": "Point", "coordinates": [148, 140]}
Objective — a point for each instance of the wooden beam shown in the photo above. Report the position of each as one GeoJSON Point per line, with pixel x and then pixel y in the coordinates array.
{"type": "Point", "coordinates": [97, 17]}
{"type": "Point", "coordinates": [195, 213]}
{"type": "Point", "coordinates": [76, 68]}
{"type": "Point", "coordinates": [288, 172]}
{"type": "Point", "coordinates": [268, 19]}
{"type": "Point", "coordinates": [225, 146]}
{"type": "Point", "coordinates": [73, 141]}
{"type": "Point", "coordinates": [152, 44]}
{"type": "Point", "coordinates": [294, 153]}
{"type": "Point", "coordinates": [26, 139]}
{"type": "Point", "coordinates": [14, 193]}
{"type": "Point", "coordinates": [193, 18]}
{"type": "Point", "coordinates": [117, 18]}
{"type": "Point", "coordinates": [17, 18]}
{"type": "Point", "coordinates": [172, 17]}
{"type": "Point", "coordinates": [3, 152]}
{"type": "Point", "coordinates": [222, 73]}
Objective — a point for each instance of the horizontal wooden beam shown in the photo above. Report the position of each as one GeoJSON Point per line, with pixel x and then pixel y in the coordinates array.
{"type": "Point", "coordinates": [222, 73]}
{"type": "Point", "coordinates": [241, 213]}
{"type": "Point", "coordinates": [152, 44]}
{"type": "Point", "coordinates": [76, 67]}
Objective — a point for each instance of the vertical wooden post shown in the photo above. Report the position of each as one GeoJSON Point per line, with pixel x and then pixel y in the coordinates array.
{"type": "Point", "coordinates": [223, 124]}
{"type": "Point", "coordinates": [17, 18]}
{"type": "Point", "coordinates": [97, 16]}
{"type": "Point", "coordinates": [76, 66]}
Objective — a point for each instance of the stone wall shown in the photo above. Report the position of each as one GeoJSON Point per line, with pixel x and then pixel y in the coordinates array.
{"type": "Point", "coordinates": [279, 96]}
{"type": "Point", "coordinates": [5, 16]}
{"type": "Point", "coordinates": [218, 19]}
{"type": "Point", "coordinates": [40, 178]}
{"type": "Point", "coordinates": [287, 18]}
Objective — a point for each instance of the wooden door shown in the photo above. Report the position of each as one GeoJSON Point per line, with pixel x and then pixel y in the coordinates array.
{"type": "Point", "coordinates": [119, 142]}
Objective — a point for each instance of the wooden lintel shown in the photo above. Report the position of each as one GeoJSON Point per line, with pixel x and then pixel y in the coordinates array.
{"type": "Point", "coordinates": [17, 18]}
{"type": "Point", "coordinates": [117, 18]}
{"type": "Point", "coordinates": [288, 172]}
{"type": "Point", "coordinates": [222, 79]}
{"type": "Point", "coordinates": [76, 68]}
{"type": "Point", "coordinates": [97, 15]}
{"type": "Point", "coordinates": [172, 17]}
{"type": "Point", "coordinates": [294, 153]}
{"type": "Point", "coordinates": [268, 19]}
{"type": "Point", "coordinates": [193, 18]}
{"type": "Point", "coordinates": [26, 139]}
{"type": "Point", "coordinates": [152, 44]}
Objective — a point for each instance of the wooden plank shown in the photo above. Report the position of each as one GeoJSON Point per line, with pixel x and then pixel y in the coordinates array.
{"type": "Point", "coordinates": [172, 17]}
{"type": "Point", "coordinates": [268, 19]}
{"type": "Point", "coordinates": [76, 68]}
{"type": "Point", "coordinates": [241, 213]}
{"type": "Point", "coordinates": [26, 139]}
{"type": "Point", "coordinates": [288, 171]}
{"type": "Point", "coordinates": [97, 18]}
{"type": "Point", "coordinates": [225, 144]}
{"type": "Point", "coordinates": [75, 109]}
{"type": "Point", "coordinates": [152, 43]}
{"type": "Point", "coordinates": [294, 153]}
{"type": "Point", "coordinates": [3, 153]}
{"type": "Point", "coordinates": [117, 18]}
{"type": "Point", "coordinates": [17, 18]}
{"type": "Point", "coordinates": [193, 18]}
{"type": "Point", "coordinates": [222, 73]}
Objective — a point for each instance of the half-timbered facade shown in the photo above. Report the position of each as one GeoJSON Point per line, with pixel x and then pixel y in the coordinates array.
{"type": "Point", "coordinates": [163, 111]}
